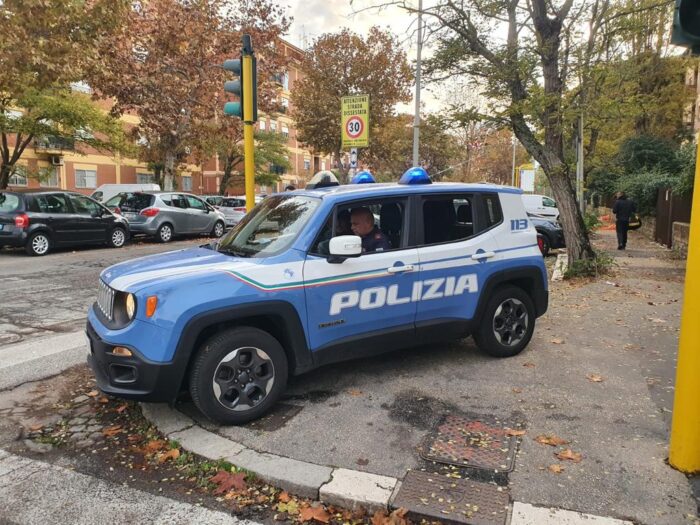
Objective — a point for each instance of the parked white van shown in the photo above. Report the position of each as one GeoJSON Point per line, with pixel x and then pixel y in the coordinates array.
{"type": "Point", "coordinates": [107, 191]}
{"type": "Point", "coordinates": [541, 205]}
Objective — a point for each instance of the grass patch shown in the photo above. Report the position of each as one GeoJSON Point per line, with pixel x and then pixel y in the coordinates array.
{"type": "Point", "coordinates": [601, 264]}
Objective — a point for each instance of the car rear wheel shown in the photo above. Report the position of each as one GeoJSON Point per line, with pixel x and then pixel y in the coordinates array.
{"type": "Point", "coordinates": [238, 375]}
{"type": "Point", "coordinates": [38, 244]}
{"type": "Point", "coordinates": [219, 229]}
{"type": "Point", "coordinates": [117, 238]}
{"type": "Point", "coordinates": [165, 233]}
{"type": "Point", "coordinates": [507, 324]}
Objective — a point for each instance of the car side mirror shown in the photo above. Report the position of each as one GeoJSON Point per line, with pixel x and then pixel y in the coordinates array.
{"type": "Point", "coordinates": [344, 246]}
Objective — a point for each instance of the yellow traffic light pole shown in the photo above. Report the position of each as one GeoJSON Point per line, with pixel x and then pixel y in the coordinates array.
{"type": "Point", "coordinates": [248, 74]}
{"type": "Point", "coordinates": [684, 450]}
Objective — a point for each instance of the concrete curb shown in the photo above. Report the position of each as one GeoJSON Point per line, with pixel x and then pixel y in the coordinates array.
{"type": "Point", "coordinates": [331, 485]}
{"type": "Point", "coordinates": [560, 267]}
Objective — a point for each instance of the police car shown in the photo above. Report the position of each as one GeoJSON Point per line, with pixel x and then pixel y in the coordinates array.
{"type": "Point", "coordinates": [290, 289]}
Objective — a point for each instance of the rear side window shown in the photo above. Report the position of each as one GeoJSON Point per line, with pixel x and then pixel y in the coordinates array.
{"type": "Point", "coordinates": [492, 209]}
{"type": "Point", "coordinates": [131, 202]}
{"type": "Point", "coordinates": [9, 202]}
{"type": "Point", "coordinates": [52, 203]}
{"type": "Point", "coordinates": [448, 218]}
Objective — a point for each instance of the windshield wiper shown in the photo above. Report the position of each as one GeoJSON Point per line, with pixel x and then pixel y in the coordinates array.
{"type": "Point", "coordinates": [236, 252]}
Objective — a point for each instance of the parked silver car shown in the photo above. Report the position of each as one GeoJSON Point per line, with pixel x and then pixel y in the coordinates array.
{"type": "Point", "coordinates": [165, 214]}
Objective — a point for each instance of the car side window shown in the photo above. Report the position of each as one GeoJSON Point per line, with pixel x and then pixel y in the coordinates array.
{"type": "Point", "coordinates": [178, 201]}
{"type": "Point", "coordinates": [83, 205]}
{"type": "Point", "coordinates": [194, 202]}
{"type": "Point", "coordinates": [492, 209]}
{"type": "Point", "coordinates": [52, 203]}
{"type": "Point", "coordinates": [549, 203]}
{"type": "Point", "coordinates": [448, 218]}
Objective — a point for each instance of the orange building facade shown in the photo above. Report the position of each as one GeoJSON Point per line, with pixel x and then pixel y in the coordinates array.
{"type": "Point", "coordinates": [86, 170]}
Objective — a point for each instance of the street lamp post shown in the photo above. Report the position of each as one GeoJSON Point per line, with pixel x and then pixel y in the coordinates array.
{"type": "Point", "coordinates": [416, 116]}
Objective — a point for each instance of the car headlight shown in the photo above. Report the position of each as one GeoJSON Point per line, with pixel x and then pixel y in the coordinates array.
{"type": "Point", "coordinates": [130, 305]}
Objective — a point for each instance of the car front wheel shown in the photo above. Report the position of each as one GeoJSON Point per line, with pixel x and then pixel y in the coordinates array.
{"type": "Point", "coordinates": [117, 238]}
{"type": "Point", "coordinates": [507, 324]}
{"type": "Point", "coordinates": [218, 230]}
{"type": "Point", "coordinates": [238, 375]}
{"type": "Point", "coordinates": [38, 244]}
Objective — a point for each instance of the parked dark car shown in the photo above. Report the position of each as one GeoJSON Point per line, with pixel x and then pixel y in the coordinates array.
{"type": "Point", "coordinates": [41, 220]}
{"type": "Point", "coordinates": [550, 234]}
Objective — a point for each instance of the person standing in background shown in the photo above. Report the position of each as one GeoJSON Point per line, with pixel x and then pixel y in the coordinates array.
{"type": "Point", "coordinates": [623, 209]}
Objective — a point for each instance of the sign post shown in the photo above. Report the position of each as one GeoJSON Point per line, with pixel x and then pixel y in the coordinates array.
{"type": "Point", "coordinates": [354, 111]}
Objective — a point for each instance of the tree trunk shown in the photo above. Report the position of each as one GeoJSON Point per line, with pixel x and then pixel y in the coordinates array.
{"type": "Point", "coordinates": [5, 173]}
{"type": "Point", "coordinates": [169, 172]}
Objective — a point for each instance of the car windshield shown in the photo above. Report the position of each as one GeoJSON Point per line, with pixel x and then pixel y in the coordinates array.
{"type": "Point", "coordinates": [271, 227]}
{"type": "Point", "coordinates": [135, 202]}
{"type": "Point", "coordinates": [8, 202]}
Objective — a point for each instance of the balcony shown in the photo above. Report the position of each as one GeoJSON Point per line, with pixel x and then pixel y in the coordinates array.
{"type": "Point", "coordinates": [53, 145]}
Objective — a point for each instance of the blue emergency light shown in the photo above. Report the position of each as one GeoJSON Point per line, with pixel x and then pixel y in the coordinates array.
{"type": "Point", "coordinates": [363, 177]}
{"type": "Point", "coordinates": [415, 175]}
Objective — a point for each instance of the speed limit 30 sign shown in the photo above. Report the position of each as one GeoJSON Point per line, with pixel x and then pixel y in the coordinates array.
{"type": "Point", "coordinates": [355, 121]}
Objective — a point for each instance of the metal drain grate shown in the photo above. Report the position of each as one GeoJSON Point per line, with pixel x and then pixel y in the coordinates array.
{"type": "Point", "coordinates": [437, 497]}
{"type": "Point", "coordinates": [471, 443]}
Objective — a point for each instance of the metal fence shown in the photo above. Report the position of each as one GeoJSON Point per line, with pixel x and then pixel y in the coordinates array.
{"type": "Point", "coordinates": [670, 208]}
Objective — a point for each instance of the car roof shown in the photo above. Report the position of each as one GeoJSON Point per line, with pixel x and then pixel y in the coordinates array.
{"type": "Point", "coordinates": [36, 190]}
{"type": "Point", "coordinates": [378, 190]}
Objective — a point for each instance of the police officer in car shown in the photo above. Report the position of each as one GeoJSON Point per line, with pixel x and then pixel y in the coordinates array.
{"type": "Point", "coordinates": [362, 224]}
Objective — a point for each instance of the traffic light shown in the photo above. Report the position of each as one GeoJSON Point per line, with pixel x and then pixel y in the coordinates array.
{"type": "Point", "coordinates": [246, 69]}
{"type": "Point", "coordinates": [686, 25]}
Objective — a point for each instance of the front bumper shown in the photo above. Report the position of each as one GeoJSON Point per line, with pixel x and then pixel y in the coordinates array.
{"type": "Point", "coordinates": [131, 377]}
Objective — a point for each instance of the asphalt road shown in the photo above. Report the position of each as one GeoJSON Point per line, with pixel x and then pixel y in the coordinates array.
{"type": "Point", "coordinates": [42, 296]}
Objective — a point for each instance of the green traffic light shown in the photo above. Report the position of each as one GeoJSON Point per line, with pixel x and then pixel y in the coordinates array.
{"type": "Point", "coordinates": [233, 109]}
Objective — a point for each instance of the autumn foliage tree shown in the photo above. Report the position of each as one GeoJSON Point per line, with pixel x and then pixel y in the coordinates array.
{"type": "Point", "coordinates": [164, 66]}
{"type": "Point", "coordinates": [341, 64]}
{"type": "Point", "coordinates": [46, 45]}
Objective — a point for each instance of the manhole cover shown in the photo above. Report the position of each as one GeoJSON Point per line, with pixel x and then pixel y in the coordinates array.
{"type": "Point", "coordinates": [472, 443]}
{"type": "Point", "coordinates": [433, 496]}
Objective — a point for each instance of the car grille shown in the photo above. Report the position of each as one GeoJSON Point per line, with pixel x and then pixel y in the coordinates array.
{"type": "Point", "coordinates": [105, 300]}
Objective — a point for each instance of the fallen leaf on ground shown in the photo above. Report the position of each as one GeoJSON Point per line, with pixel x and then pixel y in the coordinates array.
{"type": "Point", "coordinates": [93, 393]}
{"type": "Point", "coordinates": [556, 468]}
{"type": "Point", "coordinates": [103, 400]}
{"type": "Point", "coordinates": [154, 446]}
{"type": "Point", "coordinates": [226, 481]}
{"type": "Point", "coordinates": [314, 513]}
{"type": "Point", "coordinates": [112, 431]}
{"type": "Point", "coordinates": [511, 432]}
{"type": "Point", "coordinates": [517, 390]}
{"type": "Point", "coordinates": [355, 393]}
{"type": "Point", "coordinates": [291, 507]}
{"type": "Point", "coordinates": [558, 341]}
{"type": "Point", "coordinates": [595, 378]}
{"type": "Point", "coordinates": [552, 441]}
{"type": "Point", "coordinates": [362, 461]}
{"type": "Point", "coordinates": [34, 428]}
{"type": "Point", "coordinates": [529, 365]}
{"type": "Point", "coordinates": [570, 455]}
{"type": "Point", "coordinates": [173, 453]}
{"type": "Point", "coordinates": [122, 408]}
{"type": "Point", "coordinates": [284, 497]}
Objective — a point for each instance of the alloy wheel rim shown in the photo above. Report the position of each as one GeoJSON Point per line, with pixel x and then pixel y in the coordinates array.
{"type": "Point", "coordinates": [510, 322]}
{"type": "Point", "coordinates": [166, 233]}
{"type": "Point", "coordinates": [118, 238]}
{"type": "Point", "coordinates": [40, 244]}
{"type": "Point", "coordinates": [243, 379]}
{"type": "Point", "coordinates": [218, 229]}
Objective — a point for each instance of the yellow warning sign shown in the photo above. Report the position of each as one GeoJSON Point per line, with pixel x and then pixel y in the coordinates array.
{"type": "Point", "coordinates": [354, 112]}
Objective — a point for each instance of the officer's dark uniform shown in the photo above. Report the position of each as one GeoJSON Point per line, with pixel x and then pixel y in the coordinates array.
{"type": "Point", "coordinates": [375, 241]}
{"type": "Point", "coordinates": [623, 209]}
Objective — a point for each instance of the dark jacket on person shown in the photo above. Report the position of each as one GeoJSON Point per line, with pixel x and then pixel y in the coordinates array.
{"type": "Point", "coordinates": [623, 209]}
{"type": "Point", "coordinates": [375, 241]}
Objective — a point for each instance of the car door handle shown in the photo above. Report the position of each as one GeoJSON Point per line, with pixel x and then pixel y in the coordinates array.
{"type": "Point", "coordinates": [483, 255]}
{"type": "Point", "coordinates": [399, 269]}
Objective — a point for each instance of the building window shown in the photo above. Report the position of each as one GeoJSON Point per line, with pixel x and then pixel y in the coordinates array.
{"type": "Point", "coordinates": [186, 183]}
{"type": "Point", "coordinates": [285, 81]}
{"type": "Point", "coordinates": [273, 125]}
{"type": "Point", "coordinates": [263, 125]}
{"type": "Point", "coordinates": [145, 178]}
{"type": "Point", "coordinates": [285, 130]}
{"type": "Point", "coordinates": [52, 180]}
{"type": "Point", "coordinates": [284, 102]}
{"type": "Point", "coordinates": [307, 164]}
{"type": "Point", "coordinates": [85, 179]}
{"type": "Point", "coordinates": [18, 179]}
{"type": "Point", "coordinates": [323, 165]}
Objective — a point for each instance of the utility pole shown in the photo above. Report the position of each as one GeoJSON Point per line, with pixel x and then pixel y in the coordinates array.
{"type": "Point", "coordinates": [512, 172]}
{"type": "Point", "coordinates": [416, 116]}
{"type": "Point", "coordinates": [579, 166]}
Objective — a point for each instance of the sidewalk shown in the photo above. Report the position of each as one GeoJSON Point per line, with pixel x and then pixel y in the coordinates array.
{"type": "Point", "coordinates": [599, 374]}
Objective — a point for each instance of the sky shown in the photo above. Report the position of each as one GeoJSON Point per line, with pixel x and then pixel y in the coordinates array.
{"type": "Point", "coordinates": [312, 18]}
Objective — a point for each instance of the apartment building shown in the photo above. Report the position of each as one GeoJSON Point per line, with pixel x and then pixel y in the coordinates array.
{"type": "Point", "coordinates": [88, 169]}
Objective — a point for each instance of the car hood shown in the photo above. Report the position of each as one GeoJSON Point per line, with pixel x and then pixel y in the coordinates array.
{"type": "Point", "coordinates": [136, 274]}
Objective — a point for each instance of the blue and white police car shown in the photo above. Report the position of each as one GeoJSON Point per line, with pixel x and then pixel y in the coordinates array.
{"type": "Point", "coordinates": [291, 288]}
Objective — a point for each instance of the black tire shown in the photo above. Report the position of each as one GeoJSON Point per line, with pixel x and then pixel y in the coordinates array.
{"type": "Point", "coordinates": [546, 245]}
{"type": "Point", "coordinates": [38, 244]}
{"type": "Point", "coordinates": [218, 230]}
{"type": "Point", "coordinates": [503, 331]}
{"type": "Point", "coordinates": [216, 357]}
{"type": "Point", "coordinates": [165, 233]}
{"type": "Point", "coordinates": [117, 238]}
